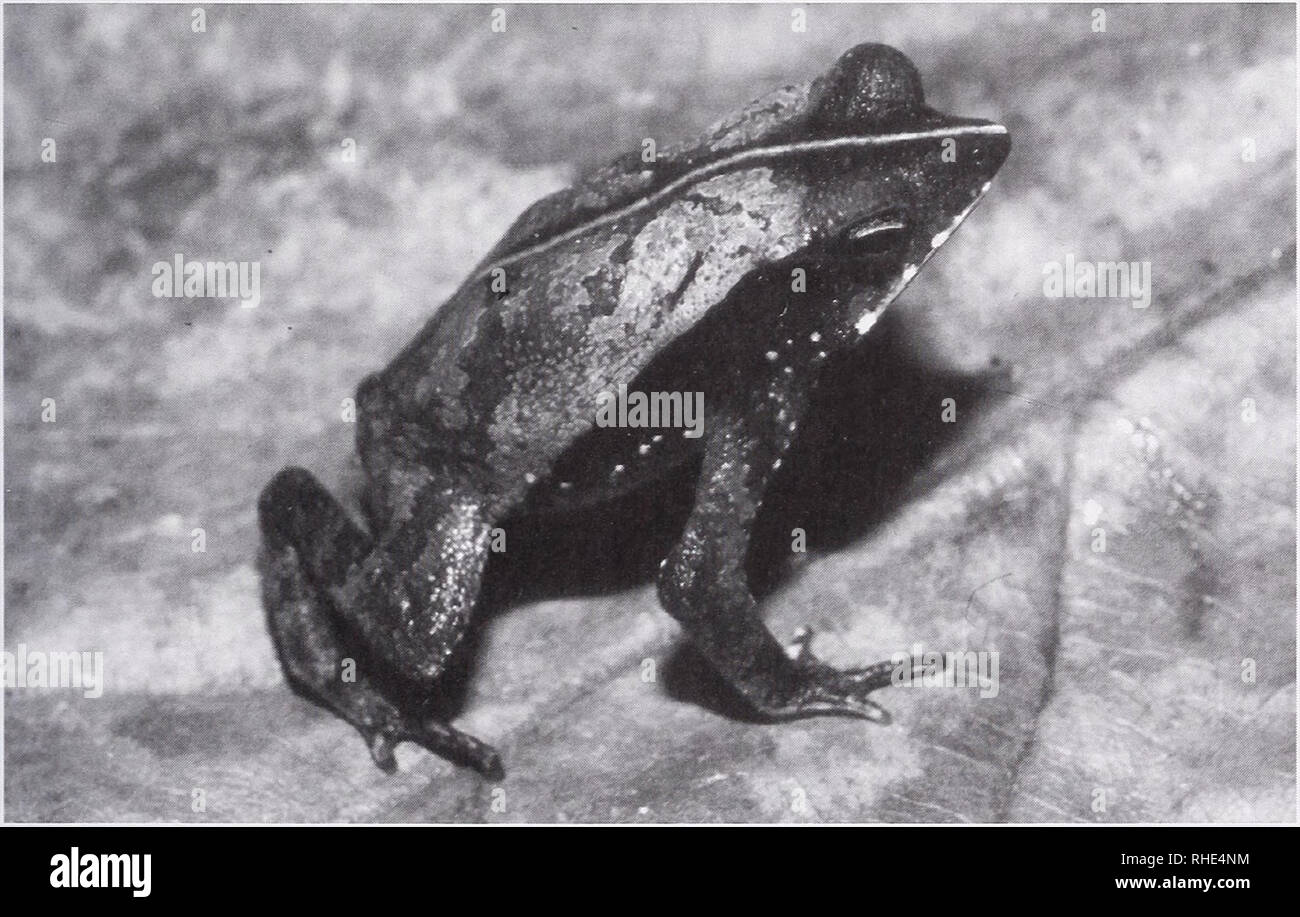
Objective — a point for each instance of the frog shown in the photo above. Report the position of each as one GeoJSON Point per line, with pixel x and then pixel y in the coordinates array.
{"type": "Point", "coordinates": [728, 269]}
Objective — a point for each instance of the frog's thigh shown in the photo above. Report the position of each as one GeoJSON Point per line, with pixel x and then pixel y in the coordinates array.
{"type": "Point", "coordinates": [308, 546]}
{"type": "Point", "coordinates": [377, 432]}
{"type": "Point", "coordinates": [303, 526]}
{"type": "Point", "coordinates": [411, 597]}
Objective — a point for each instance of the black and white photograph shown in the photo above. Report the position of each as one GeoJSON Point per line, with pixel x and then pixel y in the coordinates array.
{"type": "Point", "coordinates": [666, 414]}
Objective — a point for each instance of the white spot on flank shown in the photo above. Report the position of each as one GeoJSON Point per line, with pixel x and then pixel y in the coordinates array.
{"type": "Point", "coordinates": [658, 437]}
{"type": "Point", "coordinates": [644, 449]}
{"type": "Point", "coordinates": [771, 355]}
{"type": "Point", "coordinates": [815, 337]}
{"type": "Point", "coordinates": [530, 478]}
{"type": "Point", "coordinates": [618, 469]}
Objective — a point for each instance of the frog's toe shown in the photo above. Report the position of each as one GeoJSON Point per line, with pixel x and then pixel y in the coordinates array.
{"type": "Point", "coordinates": [460, 748]}
{"type": "Point", "coordinates": [381, 751]}
{"type": "Point", "coordinates": [871, 677]}
{"type": "Point", "coordinates": [435, 736]}
{"type": "Point", "coordinates": [800, 646]}
{"type": "Point", "coordinates": [827, 702]}
{"type": "Point", "coordinates": [820, 700]}
{"type": "Point", "coordinates": [827, 691]}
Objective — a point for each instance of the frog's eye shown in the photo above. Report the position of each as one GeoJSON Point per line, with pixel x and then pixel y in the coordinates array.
{"type": "Point", "coordinates": [878, 234]}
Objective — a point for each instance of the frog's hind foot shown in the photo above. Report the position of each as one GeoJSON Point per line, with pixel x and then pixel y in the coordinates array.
{"type": "Point", "coordinates": [438, 737]}
{"type": "Point", "coordinates": [301, 522]}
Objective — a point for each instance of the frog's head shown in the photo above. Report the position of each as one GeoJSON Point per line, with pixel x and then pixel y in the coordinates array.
{"type": "Point", "coordinates": [886, 179]}
{"type": "Point", "coordinates": [854, 178]}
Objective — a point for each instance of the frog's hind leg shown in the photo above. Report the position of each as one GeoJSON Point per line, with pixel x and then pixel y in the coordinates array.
{"type": "Point", "coordinates": [703, 582]}
{"type": "Point", "coordinates": [309, 545]}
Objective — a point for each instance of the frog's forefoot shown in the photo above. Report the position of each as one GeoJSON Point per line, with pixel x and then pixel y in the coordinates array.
{"type": "Point", "coordinates": [822, 690]}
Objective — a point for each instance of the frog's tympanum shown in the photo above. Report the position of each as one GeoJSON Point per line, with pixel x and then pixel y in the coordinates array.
{"type": "Point", "coordinates": [730, 269]}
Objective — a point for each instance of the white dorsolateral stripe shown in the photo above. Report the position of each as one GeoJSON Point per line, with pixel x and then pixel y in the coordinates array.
{"type": "Point", "coordinates": [757, 154]}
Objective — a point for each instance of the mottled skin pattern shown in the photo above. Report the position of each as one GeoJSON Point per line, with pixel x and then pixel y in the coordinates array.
{"type": "Point", "coordinates": [683, 275]}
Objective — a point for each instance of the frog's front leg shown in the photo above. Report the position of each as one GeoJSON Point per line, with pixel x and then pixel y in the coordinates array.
{"type": "Point", "coordinates": [332, 593]}
{"type": "Point", "coordinates": [703, 582]}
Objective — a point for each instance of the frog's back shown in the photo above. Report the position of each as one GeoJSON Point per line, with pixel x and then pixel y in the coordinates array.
{"type": "Point", "coordinates": [513, 380]}
{"type": "Point", "coordinates": [772, 119]}
{"type": "Point", "coordinates": [587, 286]}
{"type": "Point", "coordinates": [591, 284]}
